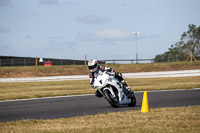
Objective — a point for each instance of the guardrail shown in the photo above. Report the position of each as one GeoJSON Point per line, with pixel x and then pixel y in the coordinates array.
{"type": "Point", "coordinates": [30, 61]}
{"type": "Point", "coordinates": [132, 61]}
{"type": "Point", "coordinates": [128, 61]}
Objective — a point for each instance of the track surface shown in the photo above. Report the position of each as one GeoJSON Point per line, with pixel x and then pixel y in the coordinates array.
{"type": "Point", "coordinates": [64, 107]}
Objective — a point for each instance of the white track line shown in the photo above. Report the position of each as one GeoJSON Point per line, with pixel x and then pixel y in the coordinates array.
{"type": "Point", "coordinates": [16, 100]}
{"type": "Point", "coordinates": [179, 73]}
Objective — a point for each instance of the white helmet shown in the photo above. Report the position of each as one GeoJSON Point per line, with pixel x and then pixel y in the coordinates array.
{"type": "Point", "coordinates": [93, 65]}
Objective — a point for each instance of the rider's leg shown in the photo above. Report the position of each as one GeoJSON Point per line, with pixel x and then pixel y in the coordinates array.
{"type": "Point", "coordinates": [127, 89]}
{"type": "Point", "coordinates": [125, 84]}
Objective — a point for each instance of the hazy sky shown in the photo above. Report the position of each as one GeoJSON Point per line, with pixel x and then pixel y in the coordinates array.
{"type": "Point", "coordinates": [100, 29]}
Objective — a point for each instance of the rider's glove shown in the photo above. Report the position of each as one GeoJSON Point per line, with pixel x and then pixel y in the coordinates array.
{"type": "Point", "coordinates": [92, 86]}
{"type": "Point", "coordinates": [100, 72]}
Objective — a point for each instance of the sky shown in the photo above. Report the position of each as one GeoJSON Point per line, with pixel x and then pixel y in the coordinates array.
{"type": "Point", "coordinates": [99, 29]}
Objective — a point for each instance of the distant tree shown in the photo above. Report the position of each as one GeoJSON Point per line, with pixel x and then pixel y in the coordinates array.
{"type": "Point", "coordinates": [189, 42]}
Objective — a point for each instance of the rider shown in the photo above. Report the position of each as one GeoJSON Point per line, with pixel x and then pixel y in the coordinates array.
{"type": "Point", "coordinates": [95, 69]}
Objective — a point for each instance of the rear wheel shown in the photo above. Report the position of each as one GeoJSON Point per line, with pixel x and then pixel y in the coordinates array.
{"type": "Point", "coordinates": [112, 100]}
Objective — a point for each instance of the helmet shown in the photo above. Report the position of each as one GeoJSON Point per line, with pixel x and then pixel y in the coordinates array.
{"type": "Point", "coordinates": [93, 65]}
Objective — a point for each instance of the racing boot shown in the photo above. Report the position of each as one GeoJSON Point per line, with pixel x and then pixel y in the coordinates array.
{"type": "Point", "coordinates": [129, 93]}
{"type": "Point", "coordinates": [127, 90]}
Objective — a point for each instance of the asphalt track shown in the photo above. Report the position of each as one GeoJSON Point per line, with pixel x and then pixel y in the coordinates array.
{"type": "Point", "coordinates": [71, 106]}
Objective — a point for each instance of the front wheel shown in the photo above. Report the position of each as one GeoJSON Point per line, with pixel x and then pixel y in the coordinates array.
{"type": "Point", "coordinates": [112, 100]}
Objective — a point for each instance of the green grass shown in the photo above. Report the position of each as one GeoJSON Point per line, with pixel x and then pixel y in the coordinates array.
{"type": "Point", "coordinates": [159, 120]}
{"type": "Point", "coordinates": [43, 89]}
{"type": "Point", "coordinates": [23, 90]}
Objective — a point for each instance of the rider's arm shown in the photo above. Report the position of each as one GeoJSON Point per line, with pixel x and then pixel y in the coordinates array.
{"type": "Point", "coordinates": [112, 72]}
{"type": "Point", "coordinates": [108, 69]}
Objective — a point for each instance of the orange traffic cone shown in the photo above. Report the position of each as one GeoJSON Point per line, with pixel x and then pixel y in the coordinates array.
{"type": "Point", "coordinates": [145, 105]}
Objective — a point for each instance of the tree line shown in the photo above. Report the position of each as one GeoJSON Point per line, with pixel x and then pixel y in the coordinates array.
{"type": "Point", "coordinates": [189, 42]}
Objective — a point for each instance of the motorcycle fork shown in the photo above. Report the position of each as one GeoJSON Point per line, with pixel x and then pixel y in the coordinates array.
{"type": "Point", "coordinates": [112, 92]}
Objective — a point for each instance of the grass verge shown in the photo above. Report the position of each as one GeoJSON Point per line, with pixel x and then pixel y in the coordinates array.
{"type": "Point", "coordinates": [159, 120]}
{"type": "Point", "coordinates": [23, 90]}
{"type": "Point", "coordinates": [31, 71]}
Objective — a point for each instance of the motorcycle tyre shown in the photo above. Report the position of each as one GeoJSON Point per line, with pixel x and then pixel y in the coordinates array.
{"type": "Point", "coordinates": [110, 99]}
{"type": "Point", "coordinates": [133, 102]}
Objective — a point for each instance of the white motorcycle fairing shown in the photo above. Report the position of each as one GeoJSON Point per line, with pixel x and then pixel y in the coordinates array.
{"type": "Point", "coordinates": [104, 81]}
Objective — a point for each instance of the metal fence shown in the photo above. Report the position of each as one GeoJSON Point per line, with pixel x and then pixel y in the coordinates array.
{"type": "Point", "coordinates": [30, 61]}
{"type": "Point", "coordinates": [127, 61]}
{"type": "Point", "coordinates": [132, 61]}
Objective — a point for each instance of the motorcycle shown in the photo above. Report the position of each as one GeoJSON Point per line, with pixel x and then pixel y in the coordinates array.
{"type": "Point", "coordinates": [112, 90]}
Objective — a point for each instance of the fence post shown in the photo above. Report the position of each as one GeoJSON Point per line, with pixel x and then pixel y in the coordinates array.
{"type": "Point", "coordinates": [85, 60]}
{"type": "Point", "coordinates": [24, 61]}
{"type": "Point", "coordinates": [12, 62]}
{"type": "Point", "coordinates": [36, 61]}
